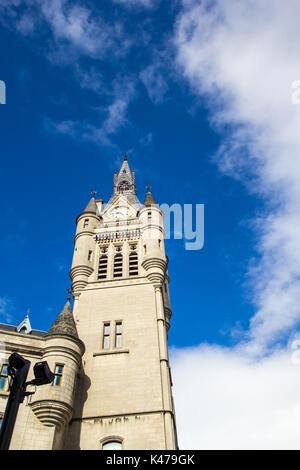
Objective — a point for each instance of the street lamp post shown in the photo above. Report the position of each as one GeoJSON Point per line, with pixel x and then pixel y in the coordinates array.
{"type": "Point", "coordinates": [18, 368]}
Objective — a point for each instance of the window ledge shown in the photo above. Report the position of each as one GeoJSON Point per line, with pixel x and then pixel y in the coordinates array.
{"type": "Point", "coordinates": [115, 351]}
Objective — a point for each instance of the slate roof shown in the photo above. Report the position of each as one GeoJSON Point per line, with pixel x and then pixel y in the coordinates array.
{"type": "Point", "coordinates": [64, 323]}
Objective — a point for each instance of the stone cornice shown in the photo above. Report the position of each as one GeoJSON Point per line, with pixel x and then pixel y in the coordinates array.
{"type": "Point", "coordinates": [27, 350]}
{"type": "Point", "coordinates": [122, 415]}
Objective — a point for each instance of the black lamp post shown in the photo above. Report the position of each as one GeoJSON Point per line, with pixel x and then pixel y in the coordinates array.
{"type": "Point", "coordinates": [18, 368]}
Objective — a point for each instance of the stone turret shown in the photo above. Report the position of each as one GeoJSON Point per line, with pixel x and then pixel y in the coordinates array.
{"type": "Point", "coordinates": [84, 251]}
{"type": "Point", "coordinates": [154, 260]}
{"type": "Point", "coordinates": [53, 404]}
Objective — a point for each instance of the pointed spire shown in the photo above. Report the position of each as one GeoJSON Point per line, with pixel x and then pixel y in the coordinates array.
{"type": "Point", "coordinates": [124, 181]}
{"type": "Point", "coordinates": [149, 199]}
{"type": "Point", "coordinates": [64, 323]}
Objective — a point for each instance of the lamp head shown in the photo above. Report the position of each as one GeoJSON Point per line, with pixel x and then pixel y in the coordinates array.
{"type": "Point", "coordinates": [16, 361]}
{"type": "Point", "coordinates": [42, 374]}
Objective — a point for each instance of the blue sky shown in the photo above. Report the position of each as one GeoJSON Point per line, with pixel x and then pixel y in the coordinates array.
{"type": "Point", "coordinates": [47, 175]}
{"type": "Point", "coordinates": [206, 116]}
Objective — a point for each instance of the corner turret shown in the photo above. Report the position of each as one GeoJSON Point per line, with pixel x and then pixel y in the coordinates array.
{"type": "Point", "coordinates": [82, 265]}
{"type": "Point", "coordinates": [53, 404]}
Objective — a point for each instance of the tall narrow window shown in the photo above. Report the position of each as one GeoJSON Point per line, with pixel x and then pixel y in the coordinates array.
{"type": "Point", "coordinates": [90, 255]}
{"type": "Point", "coordinates": [118, 265]}
{"type": "Point", "coordinates": [118, 334]}
{"type": "Point", "coordinates": [58, 372]}
{"type": "Point", "coordinates": [102, 271]}
{"type": "Point", "coordinates": [133, 264]}
{"type": "Point", "coordinates": [86, 223]}
{"type": "Point", "coordinates": [3, 377]}
{"type": "Point", "coordinates": [106, 335]}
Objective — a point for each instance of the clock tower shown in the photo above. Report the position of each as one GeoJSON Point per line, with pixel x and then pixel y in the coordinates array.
{"type": "Point", "coordinates": [123, 396]}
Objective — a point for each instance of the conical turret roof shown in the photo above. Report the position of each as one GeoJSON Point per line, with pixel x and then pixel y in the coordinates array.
{"type": "Point", "coordinates": [91, 207]}
{"type": "Point", "coordinates": [65, 323]}
{"type": "Point", "coordinates": [149, 199]}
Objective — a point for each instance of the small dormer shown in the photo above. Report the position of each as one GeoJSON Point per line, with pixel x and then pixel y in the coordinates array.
{"type": "Point", "coordinates": [24, 326]}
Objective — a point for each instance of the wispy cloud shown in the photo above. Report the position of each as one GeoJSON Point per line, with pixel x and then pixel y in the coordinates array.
{"type": "Point", "coordinates": [153, 79]}
{"type": "Point", "coordinates": [75, 30]}
{"type": "Point", "coordinates": [138, 3]}
{"type": "Point", "coordinates": [6, 309]}
{"type": "Point", "coordinates": [115, 118]}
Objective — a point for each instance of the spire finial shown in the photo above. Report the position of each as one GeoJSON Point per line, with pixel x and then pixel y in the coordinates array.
{"type": "Point", "coordinates": [28, 312]}
{"type": "Point", "coordinates": [69, 294]}
{"type": "Point", "coordinates": [125, 156]}
{"type": "Point", "coordinates": [94, 192]}
{"type": "Point", "coordinates": [148, 187]}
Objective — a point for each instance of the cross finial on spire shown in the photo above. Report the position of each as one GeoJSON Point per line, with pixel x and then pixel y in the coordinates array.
{"type": "Point", "coordinates": [94, 192]}
{"type": "Point", "coordinates": [69, 294]}
{"type": "Point", "coordinates": [125, 156]}
{"type": "Point", "coordinates": [148, 187]}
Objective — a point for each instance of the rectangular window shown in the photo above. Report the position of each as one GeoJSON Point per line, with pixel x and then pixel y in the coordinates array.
{"type": "Point", "coordinates": [90, 255]}
{"type": "Point", "coordinates": [118, 265]}
{"type": "Point", "coordinates": [4, 377]}
{"type": "Point", "coordinates": [102, 271]}
{"type": "Point", "coordinates": [86, 223]}
{"type": "Point", "coordinates": [59, 369]}
{"type": "Point", "coordinates": [133, 264]}
{"type": "Point", "coordinates": [106, 335]}
{"type": "Point", "coordinates": [118, 334]}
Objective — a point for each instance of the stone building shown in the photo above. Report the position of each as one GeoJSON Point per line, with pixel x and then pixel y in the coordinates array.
{"type": "Point", "coordinates": [112, 386]}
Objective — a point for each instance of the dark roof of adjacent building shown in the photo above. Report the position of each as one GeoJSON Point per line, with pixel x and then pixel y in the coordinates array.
{"type": "Point", "coordinates": [14, 329]}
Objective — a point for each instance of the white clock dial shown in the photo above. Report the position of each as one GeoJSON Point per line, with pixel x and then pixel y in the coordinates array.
{"type": "Point", "coordinates": [119, 212]}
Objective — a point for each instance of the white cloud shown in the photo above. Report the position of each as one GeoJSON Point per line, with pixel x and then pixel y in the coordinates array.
{"type": "Point", "coordinates": [243, 57]}
{"type": "Point", "coordinates": [75, 30]}
{"type": "Point", "coordinates": [6, 308]}
{"type": "Point", "coordinates": [154, 81]}
{"type": "Point", "coordinates": [225, 401]}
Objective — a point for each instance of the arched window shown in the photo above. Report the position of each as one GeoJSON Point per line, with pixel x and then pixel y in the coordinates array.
{"type": "Point", "coordinates": [133, 264]}
{"type": "Point", "coordinates": [118, 265]}
{"type": "Point", "coordinates": [102, 271]}
{"type": "Point", "coordinates": [112, 443]}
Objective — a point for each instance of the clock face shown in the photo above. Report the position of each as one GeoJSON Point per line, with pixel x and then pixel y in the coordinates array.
{"type": "Point", "coordinates": [119, 212]}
